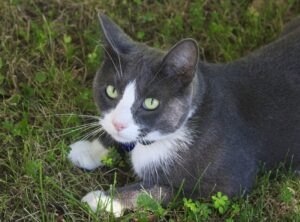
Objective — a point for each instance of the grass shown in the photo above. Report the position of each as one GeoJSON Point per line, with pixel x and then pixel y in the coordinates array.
{"type": "Point", "coordinates": [48, 56]}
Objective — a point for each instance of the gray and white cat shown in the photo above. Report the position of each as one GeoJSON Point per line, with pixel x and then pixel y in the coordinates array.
{"type": "Point", "coordinates": [208, 126]}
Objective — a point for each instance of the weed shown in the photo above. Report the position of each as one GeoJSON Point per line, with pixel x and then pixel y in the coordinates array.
{"type": "Point", "coordinates": [197, 211]}
{"type": "Point", "coordinates": [286, 194]}
{"type": "Point", "coordinates": [220, 202]}
{"type": "Point", "coordinates": [145, 202]}
{"type": "Point", "coordinates": [113, 158]}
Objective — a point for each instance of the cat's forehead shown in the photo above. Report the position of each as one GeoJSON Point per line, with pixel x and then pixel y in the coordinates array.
{"type": "Point", "coordinates": [146, 60]}
{"type": "Point", "coordinates": [141, 67]}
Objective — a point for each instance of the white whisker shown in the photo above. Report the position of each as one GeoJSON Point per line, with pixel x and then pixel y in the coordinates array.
{"type": "Point", "coordinates": [70, 114]}
{"type": "Point", "coordinates": [72, 131]}
{"type": "Point", "coordinates": [80, 126]}
{"type": "Point", "coordinates": [89, 134]}
{"type": "Point", "coordinates": [93, 133]}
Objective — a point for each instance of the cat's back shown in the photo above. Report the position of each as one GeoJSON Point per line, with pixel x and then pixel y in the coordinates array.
{"type": "Point", "coordinates": [271, 73]}
{"type": "Point", "coordinates": [280, 58]}
{"type": "Point", "coordinates": [265, 90]}
{"type": "Point", "coordinates": [273, 68]}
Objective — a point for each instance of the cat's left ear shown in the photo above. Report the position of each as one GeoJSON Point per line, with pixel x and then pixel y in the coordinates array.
{"type": "Point", "coordinates": [181, 61]}
{"type": "Point", "coordinates": [114, 36]}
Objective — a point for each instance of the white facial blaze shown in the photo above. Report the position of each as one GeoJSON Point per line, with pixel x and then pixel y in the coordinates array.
{"type": "Point", "coordinates": [122, 114]}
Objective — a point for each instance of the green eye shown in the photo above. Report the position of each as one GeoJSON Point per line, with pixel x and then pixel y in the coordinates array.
{"type": "Point", "coordinates": [150, 104]}
{"type": "Point", "coordinates": [111, 92]}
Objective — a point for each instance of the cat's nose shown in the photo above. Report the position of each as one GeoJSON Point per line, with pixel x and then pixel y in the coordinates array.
{"type": "Point", "coordinates": [119, 126]}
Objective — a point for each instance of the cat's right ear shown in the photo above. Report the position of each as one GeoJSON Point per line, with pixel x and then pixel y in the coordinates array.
{"type": "Point", "coordinates": [181, 61]}
{"type": "Point", "coordinates": [113, 36]}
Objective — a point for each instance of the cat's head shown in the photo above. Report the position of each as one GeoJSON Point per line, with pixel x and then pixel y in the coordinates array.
{"type": "Point", "coordinates": [144, 94]}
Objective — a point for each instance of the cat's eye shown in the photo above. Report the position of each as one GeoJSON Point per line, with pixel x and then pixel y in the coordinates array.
{"type": "Point", "coordinates": [150, 104]}
{"type": "Point", "coordinates": [111, 92]}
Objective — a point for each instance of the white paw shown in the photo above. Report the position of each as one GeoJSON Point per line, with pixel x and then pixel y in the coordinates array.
{"type": "Point", "coordinates": [87, 155]}
{"type": "Point", "coordinates": [98, 200]}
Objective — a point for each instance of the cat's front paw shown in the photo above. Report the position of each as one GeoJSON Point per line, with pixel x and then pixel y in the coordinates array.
{"type": "Point", "coordinates": [86, 154]}
{"type": "Point", "coordinates": [99, 200]}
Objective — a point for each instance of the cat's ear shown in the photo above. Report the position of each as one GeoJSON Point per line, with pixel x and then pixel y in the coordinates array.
{"type": "Point", "coordinates": [113, 36]}
{"type": "Point", "coordinates": [181, 61]}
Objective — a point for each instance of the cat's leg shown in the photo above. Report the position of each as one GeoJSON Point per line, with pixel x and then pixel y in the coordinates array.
{"type": "Point", "coordinates": [86, 154]}
{"type": "Point", "coordinates": [126, 197]}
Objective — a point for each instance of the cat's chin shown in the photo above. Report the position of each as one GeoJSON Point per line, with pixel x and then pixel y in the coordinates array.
{"type": "Point", "coordinates": [124, 140]}
{"type": "Point", "coordinates": [121, 139]}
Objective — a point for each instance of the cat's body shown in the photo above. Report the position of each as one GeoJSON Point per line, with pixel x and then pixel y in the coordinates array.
{"type": "Point", "coordinates": [218, 122]}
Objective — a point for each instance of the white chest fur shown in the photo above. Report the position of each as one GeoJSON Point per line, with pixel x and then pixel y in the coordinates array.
{"type": "Point", "coordinates": [160, 153]}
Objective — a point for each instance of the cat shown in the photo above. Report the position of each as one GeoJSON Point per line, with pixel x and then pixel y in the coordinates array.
{"type": "Point", "coordinates": [191, 124]}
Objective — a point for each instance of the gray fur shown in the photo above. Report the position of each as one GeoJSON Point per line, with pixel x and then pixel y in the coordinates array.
{"type": "Point", "coordinates": [247, 111]}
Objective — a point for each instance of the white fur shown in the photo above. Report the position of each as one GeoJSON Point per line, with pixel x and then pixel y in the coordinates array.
{"type": "Point", "coordinates": [191, 112]}
{"type": "Point", "coordinates": [161, 152]}
{"type": "Point", "coordinates": [97, 199]}
{"type": "Point", "coordinates": [122, 114]}
{"type": "Point", "coordinates": [87, 155]}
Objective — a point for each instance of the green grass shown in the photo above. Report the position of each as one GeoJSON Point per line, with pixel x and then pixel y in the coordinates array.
{"type": "Point", "coordinates": [49, 52]}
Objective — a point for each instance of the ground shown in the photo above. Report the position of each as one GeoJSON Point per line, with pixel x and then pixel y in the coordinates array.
{"type": "Point", "coordinates": [49, 53]}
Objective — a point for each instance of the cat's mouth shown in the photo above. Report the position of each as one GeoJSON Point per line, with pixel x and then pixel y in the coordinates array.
{"type": "Point", "coordinates": [129, 136]}
{"type": "Point", "coordinates": [128, 142]}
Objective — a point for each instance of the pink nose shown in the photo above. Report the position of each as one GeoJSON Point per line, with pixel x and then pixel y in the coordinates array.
{"type": "Point", "coordinates": [119, 126]}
